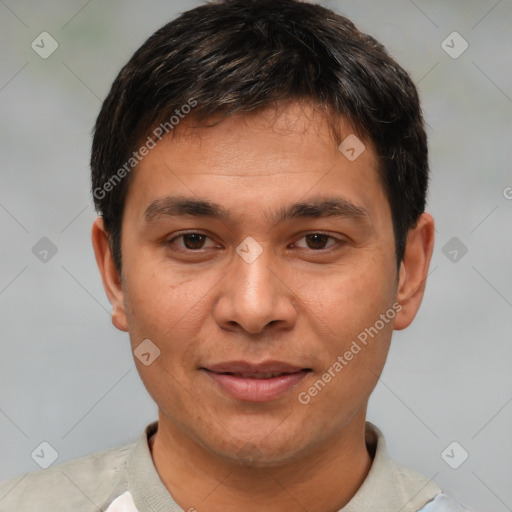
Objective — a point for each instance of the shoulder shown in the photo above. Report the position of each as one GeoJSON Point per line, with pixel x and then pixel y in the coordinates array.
{"type": "Point", "coordinates": [83, 484]}
{"type": "Point", "coordinates": [407, 478]}
{"type": "Point", "coordinates": [398, 486]}
{"type": "Point", "coordinates": [444, 503]}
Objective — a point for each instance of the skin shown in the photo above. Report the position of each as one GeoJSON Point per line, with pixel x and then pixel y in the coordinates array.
{"type": "Point", "coordinates": [302, 301]}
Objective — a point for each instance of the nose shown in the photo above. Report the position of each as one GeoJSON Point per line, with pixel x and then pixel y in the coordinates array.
{"type": "Point", "coordinates": [254, 296]}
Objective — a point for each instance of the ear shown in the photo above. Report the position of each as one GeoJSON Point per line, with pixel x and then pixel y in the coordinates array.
{"type": "Point", "coordinates": [414, 270]}
{"type": "Point", "coordinates": [109, 274]}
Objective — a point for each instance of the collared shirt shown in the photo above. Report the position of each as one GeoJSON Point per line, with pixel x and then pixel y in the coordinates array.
{"type": "Point", "coordinates": [125, 479]}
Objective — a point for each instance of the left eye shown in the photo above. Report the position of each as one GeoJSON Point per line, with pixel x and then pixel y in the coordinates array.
{"type": "Point", "coordinates": [318, 240]}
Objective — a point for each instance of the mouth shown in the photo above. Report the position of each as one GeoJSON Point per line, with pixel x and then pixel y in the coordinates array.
{"type": "Point", "coordinates": [255, 382]}
{"type": "Point", "coordinates": [269, 375]}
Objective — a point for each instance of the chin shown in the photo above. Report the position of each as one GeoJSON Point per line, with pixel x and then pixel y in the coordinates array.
{"type": "Point", "coordinates": [263, 450]}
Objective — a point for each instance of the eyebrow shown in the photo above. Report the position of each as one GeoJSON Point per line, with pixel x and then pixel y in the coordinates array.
{"type": "Point", "coordinates": [321, 207]}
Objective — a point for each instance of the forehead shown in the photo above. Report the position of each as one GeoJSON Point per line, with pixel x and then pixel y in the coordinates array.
{"type": "Point", "coordinates": [279, 126]}
{"type": "Point", "coordinates": [272, 155]}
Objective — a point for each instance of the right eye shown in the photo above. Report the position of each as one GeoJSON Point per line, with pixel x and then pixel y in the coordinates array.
{"type": "Point", "coordinates": [192, 241]}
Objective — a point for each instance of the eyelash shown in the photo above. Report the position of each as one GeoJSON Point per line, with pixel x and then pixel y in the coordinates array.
{"type": "Point", "coordinates": [338, 241]}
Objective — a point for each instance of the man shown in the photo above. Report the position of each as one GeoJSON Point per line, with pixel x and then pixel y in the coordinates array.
{"type": "Point", "coordinates": [260, 169]}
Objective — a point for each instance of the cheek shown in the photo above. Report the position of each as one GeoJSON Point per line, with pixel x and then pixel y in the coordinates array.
{"type": "Point", "coordinates": [159, 297]}
{"type": "Point", "coordinates": [356, 298]}
{"type": "Point", "coordinates": [357, 310]}
{"type": "Point", "coordinates": [166, 312]}
{"type": "Point", "coordinates": [353, 355]}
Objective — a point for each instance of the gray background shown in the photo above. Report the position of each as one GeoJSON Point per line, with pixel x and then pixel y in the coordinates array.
{"type": "Point", "coordinates": [67, 376]}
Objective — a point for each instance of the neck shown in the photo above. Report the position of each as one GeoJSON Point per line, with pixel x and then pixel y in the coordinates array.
{"type": "Point", "coordinates": [325, 479]}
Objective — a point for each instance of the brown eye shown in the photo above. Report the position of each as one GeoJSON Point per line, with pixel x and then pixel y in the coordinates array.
{"type": "Point", "coordinates": [317, 241]}
{"type": "Point", "coordinates": [191, 241]}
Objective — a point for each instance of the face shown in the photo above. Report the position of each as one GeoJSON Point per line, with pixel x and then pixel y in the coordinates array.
{"type": "Point", "coordinates": [260, 261]}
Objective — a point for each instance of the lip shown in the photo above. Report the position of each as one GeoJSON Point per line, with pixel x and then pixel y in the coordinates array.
{"type": "Point", "coordinates": [254, 389]}
{"type": "Point", "coordinates": [246, 367]}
